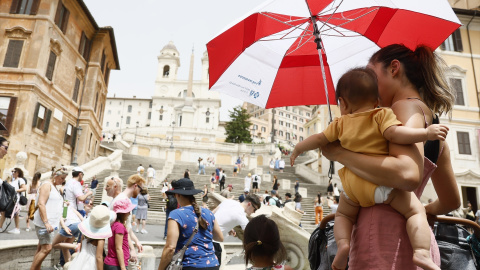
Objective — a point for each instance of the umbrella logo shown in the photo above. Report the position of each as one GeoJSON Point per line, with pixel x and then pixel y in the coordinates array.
{"type": "Point", "coordinates": [250, 80]}
{"type": "Point", "coordinates": [254, 94]}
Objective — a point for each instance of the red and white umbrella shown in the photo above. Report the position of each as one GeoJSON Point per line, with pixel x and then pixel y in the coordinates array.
{"type": "Point", "coordinates": [270, 58]}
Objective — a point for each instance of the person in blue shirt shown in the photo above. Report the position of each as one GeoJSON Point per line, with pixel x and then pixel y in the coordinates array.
{"type": "Point", "coordinates": [200, 253]}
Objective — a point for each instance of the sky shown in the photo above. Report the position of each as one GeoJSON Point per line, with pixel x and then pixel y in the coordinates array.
{"type": "Point", "coordinates": [143, 27]}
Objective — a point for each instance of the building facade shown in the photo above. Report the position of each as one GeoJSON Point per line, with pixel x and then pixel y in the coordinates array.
{"type": "Point", "coordinates": [55, 63]}
{"type": "Point", "coordinates": [288, 123]}
{"type": "Point", "coordinates": [179, 109]}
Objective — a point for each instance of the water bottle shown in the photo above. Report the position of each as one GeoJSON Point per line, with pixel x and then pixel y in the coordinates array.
{"type": "Point", "coordinates": [65, 209]}
{"type": "Point", "coordinates": [44, 231]}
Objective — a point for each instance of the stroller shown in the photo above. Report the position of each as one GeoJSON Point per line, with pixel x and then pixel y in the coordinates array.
{"type": "Point", "coordinates": [458, 248]}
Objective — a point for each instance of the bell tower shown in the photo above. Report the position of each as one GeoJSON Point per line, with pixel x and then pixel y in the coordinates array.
{"type": "Point", "coordinates": [168, 63]}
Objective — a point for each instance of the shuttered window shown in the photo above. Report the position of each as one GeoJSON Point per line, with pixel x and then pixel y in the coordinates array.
{"type": "Point", "coordinates": [463, 143]}
{"type": "Point", "coordinates": [41, 118]}
{"type": "Point", "coordinates": [84, 46]}
{"type": "Point", "coordinates": [61, 17]}
{"type": "Point", "coordinates": [76, 88]}
{"type": "Point", "coordinates": [102, 63]}
{"type": "Point", "coordinates": [453, 42]}
{"type": "Point", "coordinates": [458, 87]}
{"type": "Point", "coordinates": [96, 102]}
{"type": "Point", "coordinates": [68, 135]}
{"type": "Point", "coordinates": [107, 76]}
{"type": "Point", "coordinates": [14, 51]}
{"type": "Point", "coordinates": [8, 106]}
{"type": "Point", "coordinates": [51, 65]}
{"type": "Point", "coordinates": [28, 7]}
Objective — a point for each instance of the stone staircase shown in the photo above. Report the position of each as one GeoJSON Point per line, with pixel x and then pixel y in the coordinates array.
{"type": "Point", "coordinates": [156, 214]}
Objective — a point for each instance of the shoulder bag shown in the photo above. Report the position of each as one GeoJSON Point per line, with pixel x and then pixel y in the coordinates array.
{"type": "Point", "coordinates": [177, 259]}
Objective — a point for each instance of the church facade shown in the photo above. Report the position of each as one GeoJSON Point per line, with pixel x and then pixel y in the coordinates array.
{"type": "Point", "coordinates": [178, 109]}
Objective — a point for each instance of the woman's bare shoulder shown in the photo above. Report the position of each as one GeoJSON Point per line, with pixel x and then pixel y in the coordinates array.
{"type": "Point", "coordinates": [409, 113]}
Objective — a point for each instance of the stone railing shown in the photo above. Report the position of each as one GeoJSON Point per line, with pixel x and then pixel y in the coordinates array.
{"type": "Point", "coordinates": [306, 171]}
{"type": "Point", "coordinates": [93, 167]}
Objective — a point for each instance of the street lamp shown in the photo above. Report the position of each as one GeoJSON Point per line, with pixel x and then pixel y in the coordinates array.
{"type": "Point", "coordinates": [79, 132]}
{"type": "Point", "coordinates": [135, 140]}
{"type": "Point", "coordinates": [173, 132]}
{"type": "Point", "coordinates": [253, 143]}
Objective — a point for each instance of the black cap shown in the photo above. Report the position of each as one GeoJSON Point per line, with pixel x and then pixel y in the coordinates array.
{"type": "Point", "coordinates": [183, 186]}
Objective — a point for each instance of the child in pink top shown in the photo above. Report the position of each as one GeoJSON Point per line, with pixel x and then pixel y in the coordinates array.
{"type": "Point", "coordinates": [118, 251]}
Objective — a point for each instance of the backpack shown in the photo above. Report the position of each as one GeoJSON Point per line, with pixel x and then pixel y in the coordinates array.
{"type": "Point", "coordinates": [319, 256]}
{"type": "Point", "coordinates": [255, 179]}
{"type": "Point", "coordinates": [8, 197]}
{"type": "Point", "coordinates": [171, 202]}
{"type": "Point", "coordinates": [223, 179]}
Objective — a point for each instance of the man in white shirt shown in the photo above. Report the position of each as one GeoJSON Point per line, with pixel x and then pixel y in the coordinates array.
{"type": "Point", "coordinates": [150, 176]}
{"type": "Point", "coordinates": [140, 170]}
{"type": "Point", "coordinates": [281, 165]}
{"type": "Point", "coordinates": [248, 181]}
{"type": "Point", "coordinates": [230, 214]}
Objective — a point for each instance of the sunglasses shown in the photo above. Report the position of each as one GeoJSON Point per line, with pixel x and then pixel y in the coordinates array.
{"type": "Point", "coordinates": [140, 187]}
{"type": "Point", "coordinates": [255, 208]}
{"type": "Point", "coordinates": [5, 147]}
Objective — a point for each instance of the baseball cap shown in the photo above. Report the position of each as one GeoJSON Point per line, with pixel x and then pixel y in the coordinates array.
{"type": "Point", "coordinates": [230, 186]}
{"type": "Point", "coordinates": [246, 191]}
{"type": "Point", "coordinates": [77, 169]}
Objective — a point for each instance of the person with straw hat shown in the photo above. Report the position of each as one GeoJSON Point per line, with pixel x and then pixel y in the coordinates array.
{"type": "Point", "coordinates": [95, 229]}
{"type": "Point", "coordinates": [185, 221]}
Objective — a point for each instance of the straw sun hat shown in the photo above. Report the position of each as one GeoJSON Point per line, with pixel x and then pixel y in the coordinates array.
{"type": "Point", "coordinates": [97, 225]}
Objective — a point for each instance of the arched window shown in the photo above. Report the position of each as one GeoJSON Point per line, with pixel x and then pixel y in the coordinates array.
{"type": "Point", "coordinates": [166, 71]}
{"type": "Point", "coordinates": [129, 108]}
{"type": "Point", "coordinates": [128, 120]}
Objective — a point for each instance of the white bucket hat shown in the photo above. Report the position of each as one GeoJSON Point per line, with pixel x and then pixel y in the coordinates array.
{"type": "Point", "coordinates": [97, 225]}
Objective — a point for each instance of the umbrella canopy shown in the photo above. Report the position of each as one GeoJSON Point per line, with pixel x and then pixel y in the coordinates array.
{"type": "Point", "coordinates": [270, 58]}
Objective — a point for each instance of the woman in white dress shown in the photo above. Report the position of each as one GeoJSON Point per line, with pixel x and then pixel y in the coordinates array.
{"type": "Point", "coordinates": [95, 229]}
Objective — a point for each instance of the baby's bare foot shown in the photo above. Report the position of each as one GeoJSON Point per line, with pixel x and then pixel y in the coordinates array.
{"type": "Point", "coordinates": [341, 259]}
{"type": "Point", "coordinates": [421, 258]}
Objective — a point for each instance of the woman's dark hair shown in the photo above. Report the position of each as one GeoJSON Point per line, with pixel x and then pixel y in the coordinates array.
{"type": "Point", "coordinates": [358, 86]}
{"type": "Point", "coordinates": [2, 139]}
{"type": "Point", "coordinates": [298, 197]}
{"type": "Point", "coordinates": [319, 196]}
{"type": "Point", "coordinates": [20, 172]}
{"type": "Point", "coordinates": [122, 218]}
{"type": "Point", "coordinates": [424, 69]}
{"type": "Point", "coordinates": [262, 239]}
{"type": "Point", "coordinates": [36, 178]}
{"type": "Point", "coordinates": [202, 223]}
{"type": "Point", "coordinates": [144, 191]}
{"type": "Point", "coordinates": [186, 174]}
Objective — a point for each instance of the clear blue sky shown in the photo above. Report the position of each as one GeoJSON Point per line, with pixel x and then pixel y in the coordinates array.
{"type": "Point", "coordinates": [143, 27]}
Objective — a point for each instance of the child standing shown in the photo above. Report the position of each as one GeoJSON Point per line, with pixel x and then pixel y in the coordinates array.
{"type": "Point", "coordinates": [262, 245]}
{"type": "Point", "coordinates": [118, 252]}
{"type": "Point", "coordinates": [365, 128]}
{"type": "Point", "coordinates": [95, 229]}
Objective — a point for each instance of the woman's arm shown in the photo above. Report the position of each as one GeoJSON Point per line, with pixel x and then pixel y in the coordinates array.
{"type": "Point", "coordinates": [22, 187]}
{"type": "Point", "coordinates": [445, 185]}
{"type": "Point", "coordinates": [119, 250]}
{"type": "Point", "coordinates": [99, 253]}
{"type": "Point", "coordinates": [170, 245]}
{"type": "Point", "coordinates": [217, 232]}
{"type": "Point", "coordinates": [402, 169]}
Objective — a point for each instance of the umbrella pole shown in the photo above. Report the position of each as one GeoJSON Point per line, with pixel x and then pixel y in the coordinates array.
{"type": "Point", "coordinates": [318, 41]}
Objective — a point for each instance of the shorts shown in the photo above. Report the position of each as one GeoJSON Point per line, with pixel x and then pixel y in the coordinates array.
{"type": "Point", "coordinates": [212, 185]}
{"type": "Point", "coordinates": [255, 185]}
{"type": "Point", "coordinates": [216, 177]}
{"type": "Point", "coordinates": [73, 230]}
{"type": "Point", "coordinates": [44, 239]}
{"type": "Point", "coordinates": [134, 212]}
{"type": "Point", "coordinates": [111, 267]}
{"type": "Point", "coordinates": [94, 191]}
{"type": "Point", "coordinates": [235, 169]}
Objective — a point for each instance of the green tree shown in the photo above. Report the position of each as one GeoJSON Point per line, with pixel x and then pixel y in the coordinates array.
{"type": "Point", "coordinates": [238, 129]}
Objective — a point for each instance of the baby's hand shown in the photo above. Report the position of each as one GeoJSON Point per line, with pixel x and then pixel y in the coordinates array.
{"type": "Point", "coordinates": [437, 132]}
{"type": "Point", "coordinates": [293, 156]}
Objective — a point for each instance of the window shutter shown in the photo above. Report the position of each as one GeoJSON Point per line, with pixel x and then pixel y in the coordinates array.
{"type": "Point", "coordinates": [51, 65]}
{"type": "Point", "coordinates": [58, 13]}
{"type": "Point", "coordinates": [14, 6]}
{"type": "Point", "coordinates": [47, 121]}
{"type": "Point", "coordinates": [34, 9]}
{"type": "Point", "coordinates": [14, 51]}
{"type": "Point", "coordinates": [86, 54]}
{"type": "Point", "coordinates": [35, 115]}
{"type": "Point", "coordinates": [75, 90]}
{"type": "Point", "coordinates": [65, 137]}
{"type": "Point", "coordinates": [457, 39]}
{"type": "Point", "coordinates": [74, 137]}
{"type": "Point", "coordinates": [81, 46]}
{"type": "Point", "coordinates": [65, 20]}
{"type": "Point", "coordinates": [457, 86]}
{"type": "Point", "coordinates": [11, 113]}
{"type": "Point", "coordinates": [102, 63]}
